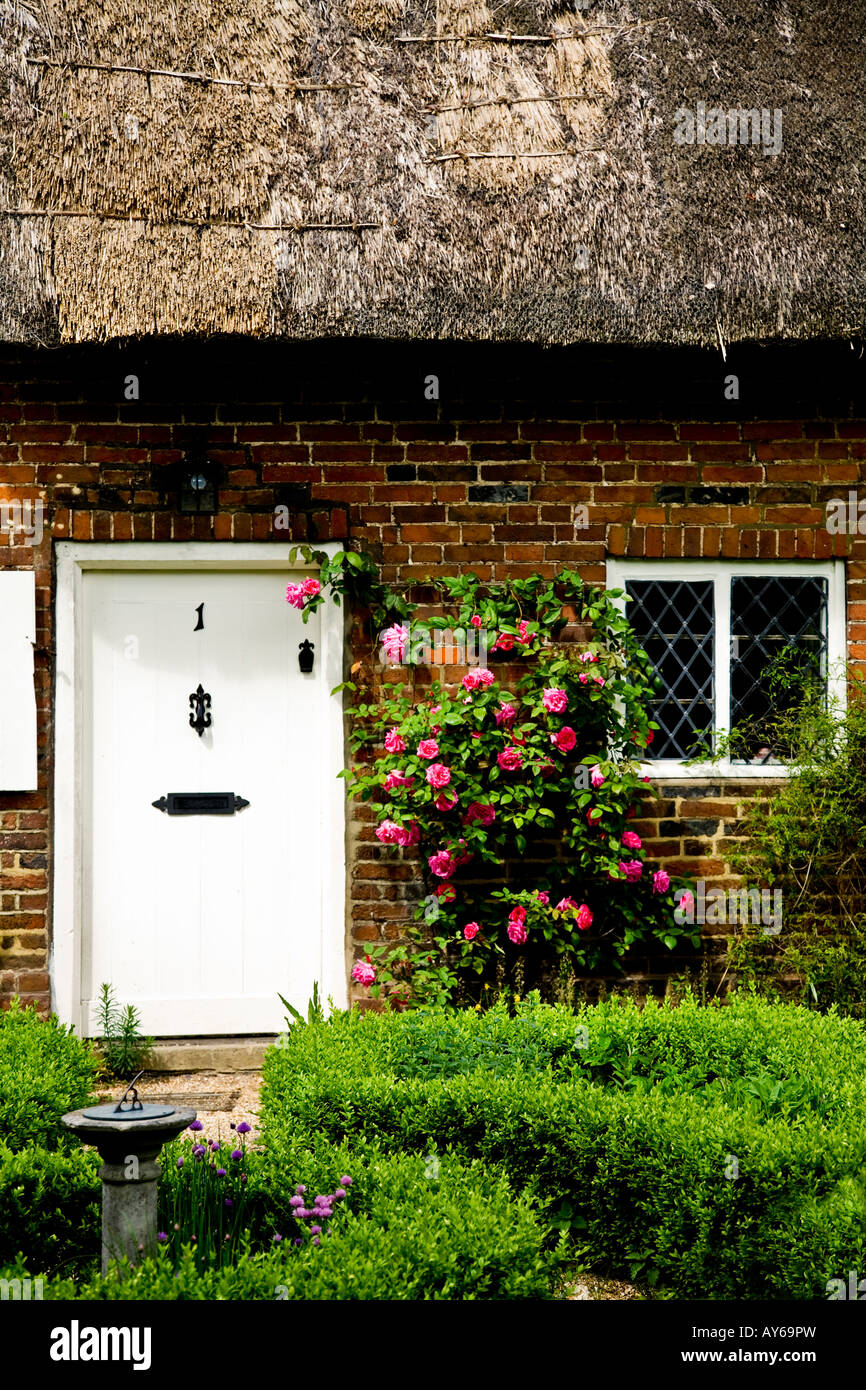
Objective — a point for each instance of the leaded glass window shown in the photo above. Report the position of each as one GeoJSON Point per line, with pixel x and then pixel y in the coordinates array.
{"type": "Point", "coordinates": [778, 647]}
{"type": "Point", "coordinates": [675, 624]}
{"type": "Point", "coordinates": [735, 645]}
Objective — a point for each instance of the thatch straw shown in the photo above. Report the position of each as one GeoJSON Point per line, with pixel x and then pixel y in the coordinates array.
{"type": "Point", "coordinates": [488, 188]}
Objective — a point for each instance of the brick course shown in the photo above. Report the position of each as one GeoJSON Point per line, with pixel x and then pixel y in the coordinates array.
{"type": "Point", "coordinates": [487, 481]}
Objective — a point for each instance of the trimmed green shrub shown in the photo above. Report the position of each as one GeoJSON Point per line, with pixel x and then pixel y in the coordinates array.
{"type": "Point", "coordinates": [49, 1206]}
{"type": "Point", "coordinates": [45, 1071]}
{"type": "Point", "coordinates": [718, 1151]}
{"type": "Point", "coordinates": [407, 1230]}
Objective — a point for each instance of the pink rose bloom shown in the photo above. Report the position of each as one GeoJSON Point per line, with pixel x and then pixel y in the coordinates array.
{"type": "Point", "coordinates": [446, 892]}
{"type": "Point", "coordinates": [593, 816]}
{"type": "Point", "coordinates": [554, 701]}
{"type": "Point", "coordinates": [518, 915]}
{"type": "Point", "coordinates": [363, 972]}
{"type": "Point", "coordinates": [388, 832]}
{"type": "Point", "coordinates": [476, 735]}
{"type": "Point", "coordinates": [584, 917]}
{"type": "Point", "coordinates": [510, 759]}
{"type": "Point", "coordinates": [428, 748]}
{"type": "Point", "coordinates": [438, 775]}
{"type": "Point", "coordinates": [475, 620]}
{"type": "Point", "coordinates": [566, 905]}
{"type": "Point", "coordinates": [310, 587]}
{"type": "Point", "coordinates": [599, 680]}
{"type": "Point", "coordinates": [395, 640]}
{"type": "Point", "coordinates": [588, 656]}
{"type": "Point", "coordinates": [649, 738]}
{"type": "Point", "coordinates": [463, 858]}
{"type": "Point", "coordinates": [547, 769]}
{"type": "Point", "coordinates": [661, 881]}
{"type": "Point", "coordinates": [523, 630]}
{"type": "Point", "coordinates": [596, 776]}
{"type": "Point", "coordinates": [687, 901]}
{"type": "Point", "coordinates": [583, 679]}
{"type": "Point", "coordinates": [632, 870]}
{"type": "Point", "coordinates": [644, 779]}
{"type": "Point", "coordinates": [505, 716]}
{"type": "Point", "coordinates": [396, 779]}
{"type": "Point", "coordinates": [564, 740]}
{"type": "Point", "coordinates": [445, 801]}
{"type": "Point", "coordinates": [441, 864]}
{"type": "Point", "coordinates": [543, 898]}
{"type": "Point", "coordinates": [394, 743]}
{"type": "Point", "coordinates": [516, 933]}
{"type": "Point", "coordinates": [504, 642]}
{"type": "Point", "coordinates": [480, 676]}
{"type": "Point", "coordinates": [630, 840]}
{"type": "Point", "coordinates": [478, 811]}
{"type": "Point", "coordinates": [471, 930]}
{"type": "Point", "coordinates": [408, 835]}
{"type": "Point", "coordinates": [295, 595]}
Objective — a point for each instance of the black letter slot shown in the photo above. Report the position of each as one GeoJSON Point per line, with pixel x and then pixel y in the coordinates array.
{"type": "Point", "coordinates": [200, 803]}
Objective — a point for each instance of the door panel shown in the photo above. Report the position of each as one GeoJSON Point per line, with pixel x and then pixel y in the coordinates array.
{"type": "Point", "coordinates": [200, 920]}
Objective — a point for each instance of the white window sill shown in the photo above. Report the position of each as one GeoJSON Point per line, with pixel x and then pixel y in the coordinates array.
{"type": "Point", "coordinates": [666, 770]}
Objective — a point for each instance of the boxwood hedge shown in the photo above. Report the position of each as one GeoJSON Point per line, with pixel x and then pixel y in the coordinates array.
{"type": "Point", "coordinates": [720, 1152]}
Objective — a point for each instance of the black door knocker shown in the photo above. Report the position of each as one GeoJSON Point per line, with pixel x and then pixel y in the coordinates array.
{"type": "Point", "coordinates": [305, 656]}
{"type": "Point", "coordinates": [200, 704]}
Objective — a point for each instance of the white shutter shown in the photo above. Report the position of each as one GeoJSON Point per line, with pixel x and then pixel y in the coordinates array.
{"type": "Point", "coordinates": [17, 695]}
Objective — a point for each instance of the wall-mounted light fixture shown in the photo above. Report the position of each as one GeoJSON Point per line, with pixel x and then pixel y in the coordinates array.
{"type": "Point", "coordinates": [198, 482]}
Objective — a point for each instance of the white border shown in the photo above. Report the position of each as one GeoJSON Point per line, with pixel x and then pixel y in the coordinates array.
{"type": "Point", "coordinates": [73, 559]}
{"type": "Point", "coordinates": [619, 571]}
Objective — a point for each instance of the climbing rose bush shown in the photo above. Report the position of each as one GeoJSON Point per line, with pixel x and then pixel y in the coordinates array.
{"type": "Point", "coordinates": [544, 774]}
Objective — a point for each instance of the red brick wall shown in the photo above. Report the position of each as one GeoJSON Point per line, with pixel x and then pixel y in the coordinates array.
{"type": "Point", "coordinates": [427, 487]}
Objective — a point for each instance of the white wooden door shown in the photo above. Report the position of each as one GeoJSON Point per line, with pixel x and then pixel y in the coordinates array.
{"type": "Point", "coordinates": [198, 920]}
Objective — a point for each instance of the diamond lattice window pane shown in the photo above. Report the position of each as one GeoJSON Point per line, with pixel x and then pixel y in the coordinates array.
{"type": "Point", "coordinates": [674, 623]}
{"type": "Point", "coordinates": [778, 627]}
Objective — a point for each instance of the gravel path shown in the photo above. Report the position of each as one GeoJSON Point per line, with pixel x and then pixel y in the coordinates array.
{"type": "Point", "coordinates": [219, 1098]}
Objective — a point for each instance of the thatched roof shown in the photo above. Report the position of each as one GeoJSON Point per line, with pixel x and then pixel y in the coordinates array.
{"type": "Point", "coordinates": [339, 180]}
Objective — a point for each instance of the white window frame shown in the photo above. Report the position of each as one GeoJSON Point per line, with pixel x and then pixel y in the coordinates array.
{"type": "Point", "coordinates": [619, 572]}
{"type": "Point", "coordinates": [74, 559]}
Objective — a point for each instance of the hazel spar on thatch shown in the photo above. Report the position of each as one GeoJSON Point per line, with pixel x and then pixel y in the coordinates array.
{"type": "Point", "coordinates": [469, 171]}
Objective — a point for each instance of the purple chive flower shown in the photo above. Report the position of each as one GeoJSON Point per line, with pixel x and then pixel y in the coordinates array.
{"type": "Point", "coordinates": [161, 1235]}
{"type": "Point", "coordinates": [229, 1202]}
{"type": "Point", "coordinates": [198, 1151]}
{"type": "Point", "coordinates": [243, 1177]}
{"type": "Point", "coordinates": [339, 1193]}
{"type": "Point", "coordinates": [244, 1128]}
{"type": "Point", "coordinates": [214, 1145]}
{"type": "Point", "coordinates": [196, 1125]}
{"type": "Point", "coordinates": [297, 1241]}
{"type": "Point", "coordinates": [277, 1239]}
{"type": "Point", "coordinates": [180, 1163]}
{"type": "Point", "coordinates": [232, 1125]}
{"type": "Point", "coordinates": [300, 1187]}
{"type": "Point", "coordinates": [220, 1172]}
{"type": "Point", "coordinates": [237, 1153]}
{"type": "Point", "coordinates": [296, 1201]}
{"type": "Point", "coordinates": [316, 1240]}
{"type": "Point", "coordinates": [346, 1181]}
{"type": "Point", "coordinates": [315, 1230]}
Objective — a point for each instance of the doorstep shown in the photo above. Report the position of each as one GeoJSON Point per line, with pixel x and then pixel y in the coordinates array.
{"type": "Point", "coordinates": [209, 1054]}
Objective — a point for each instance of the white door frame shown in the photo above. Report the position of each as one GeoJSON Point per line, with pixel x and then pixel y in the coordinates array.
{"type": "Point", "coordinates": [73, 559]}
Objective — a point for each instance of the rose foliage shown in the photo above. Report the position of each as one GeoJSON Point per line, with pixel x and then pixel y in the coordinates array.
{"type": "Point", "coordinates": [517, 799]}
